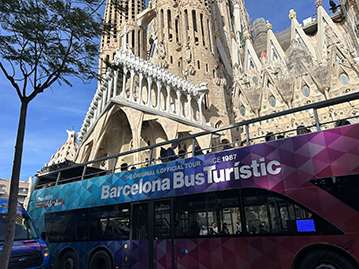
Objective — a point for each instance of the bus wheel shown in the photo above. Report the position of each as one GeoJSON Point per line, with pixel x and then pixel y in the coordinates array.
{"type": "Point", "coordinates": [68, 261]}
{"type": "Point", "coordinates": [100, 260]}
{"type": "Point", "coordinates": [326, 259]}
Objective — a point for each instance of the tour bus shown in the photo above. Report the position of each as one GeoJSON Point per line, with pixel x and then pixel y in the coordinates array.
{"type": "Point", "coordinates": [29, 250]}
{"type": "Point", "coordinates": [287, 203]}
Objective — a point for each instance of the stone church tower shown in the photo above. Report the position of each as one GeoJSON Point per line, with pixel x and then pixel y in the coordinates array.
{"type": "Point", "coordinates": [122, 16]}
{"type": "Point", "coordinates": [185, 44]}
{"type": "Point", "coordinates": [183, 66]}
{"type": "Point", "coordinates": [67, 152]}
{"type": "Point", "coordinates": [319, 63]}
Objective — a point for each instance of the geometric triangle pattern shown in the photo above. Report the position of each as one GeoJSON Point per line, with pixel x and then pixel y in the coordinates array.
{"type": "Point", "coordinates": [245, 252]}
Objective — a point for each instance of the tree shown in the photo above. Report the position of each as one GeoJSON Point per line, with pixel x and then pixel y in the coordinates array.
{"type": "Point", "coordinates": [43, 42]}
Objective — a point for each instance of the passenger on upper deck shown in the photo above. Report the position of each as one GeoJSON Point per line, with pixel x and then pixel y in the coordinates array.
{"type": "Point", "coordinates": [226, 144]}
{"type": "Point", "coordinates": [302, 130]}
{"type": "Point", "coordinates": [339, 123]}
{"type": "Point", "coordinates": [171, 155]}
{"type": "Point", "coordinates": [124, 166]}
{"type": "Point", "coordinates": [181, 154]}
{"type": "Point", "coordinates": [270, 137]}
{"type": "Point", "coordinates": [243, 143]}
{"type": "Point", "coordinates": [198, 151]}
{"type": "Point", "coordinates": [145, 163]}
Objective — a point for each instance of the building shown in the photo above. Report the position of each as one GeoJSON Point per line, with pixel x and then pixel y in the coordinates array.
{"type": "Point", "coordinates": [319, 63]}
{"type": "Point", "coordinates": [183, 66]}
{"type": "Point", "coordinates": [24, 189]}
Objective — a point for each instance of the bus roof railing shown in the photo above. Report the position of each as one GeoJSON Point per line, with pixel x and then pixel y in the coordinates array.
{"type": "Point", "coordinates": [218, 132]}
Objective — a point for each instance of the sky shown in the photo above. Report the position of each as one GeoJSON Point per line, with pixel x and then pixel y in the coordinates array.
{"type": "Point", "coordinates": [61, 107]}
{"type": "Point", "coordinates": [277, 11]}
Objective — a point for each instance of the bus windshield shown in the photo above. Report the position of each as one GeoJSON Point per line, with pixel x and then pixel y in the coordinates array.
{"type": "Point", "coordinates": [24, 229]}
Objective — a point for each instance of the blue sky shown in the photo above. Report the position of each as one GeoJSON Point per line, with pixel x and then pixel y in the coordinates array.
{"type": "Point", "coordinates": [59, 108]}
{"type": "Point", "coordinates": [277, 11]}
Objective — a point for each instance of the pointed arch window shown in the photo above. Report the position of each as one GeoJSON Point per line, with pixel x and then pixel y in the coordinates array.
{"type": "Point", "coordinates": [272, 101]}
{"type": "Point", "coordinates": [169, 19]}
{"type": "Point", "coordinates": [242, 110]}
{"type": "Point", "coordinates": [306, 90]}
{"type": "Point", "coordinates": [298, 38]}
{"type": "Point", "coordinates": [274, 53]}
{"type": "Point", "coordinates": [250, 63]}
{"type": "Point", "coordinates": [344, 79]}
{"type": "Point", "coordinates": [194, 21]}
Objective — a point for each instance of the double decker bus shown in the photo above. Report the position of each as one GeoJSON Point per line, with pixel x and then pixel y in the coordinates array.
{"type": "Point", "coordinates": [287, 203]}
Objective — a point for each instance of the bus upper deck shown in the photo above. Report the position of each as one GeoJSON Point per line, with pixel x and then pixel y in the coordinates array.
{"type": "Point", "coordinates": [68, 171]}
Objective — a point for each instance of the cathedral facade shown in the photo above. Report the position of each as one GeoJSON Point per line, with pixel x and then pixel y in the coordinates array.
{"type": "Point", "coordinates": [179, 67]}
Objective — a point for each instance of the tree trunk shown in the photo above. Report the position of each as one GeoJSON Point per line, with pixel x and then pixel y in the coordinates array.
{"type": "Point", "coordinates": [14, 188]}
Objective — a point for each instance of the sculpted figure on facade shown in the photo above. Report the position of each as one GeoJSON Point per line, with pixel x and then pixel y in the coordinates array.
{"type": "Point", "coordinates": [188, 55]}
{"type": "Point", "coordinates": [164, 64]}
{"type": "Point", "coordinates": [161, 49]}
{"type": "Point", "coordinates": [191, 70]}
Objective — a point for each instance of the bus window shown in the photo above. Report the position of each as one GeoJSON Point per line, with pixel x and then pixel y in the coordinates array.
{"type": "Point", "coordinates": [28, 250]}
{"type": "Point", "coordinates": [195, 214]}
{"type": "Point", "coordinates": [269, 213]}
{"type": "Point", "coordinates": [24, 229]}
{"type": "Point", "coordinates": [66, 226]}
{"type": "Point", "coordinates": [259, 210]}
{"type": "Point", "coordinates": [209, 214]}
{"type": "Point", "coordinates": [229, 212]}
{"type": "Point", "coordinates": [344, 188]}
{"type": "Point", "coordinates": [140, 222]}
{"type": "Point", "coordinates": [109, 222]}
{"type": "Point", "coordinates": [162, 220]}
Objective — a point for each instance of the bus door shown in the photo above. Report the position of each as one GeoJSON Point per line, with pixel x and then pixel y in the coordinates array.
{"type": "Point", "coordinates": [139, 234]}
{"type": "Point", "coordinates": [151, 245]}
{"type": "Point", "coordinates": [162, 231]}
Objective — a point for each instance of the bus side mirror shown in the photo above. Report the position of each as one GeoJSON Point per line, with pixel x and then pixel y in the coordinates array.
{"type": "Point", "coordinates": [43, 236]}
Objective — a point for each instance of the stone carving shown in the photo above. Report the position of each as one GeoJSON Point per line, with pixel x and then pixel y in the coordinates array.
{"type": "Point", "coordinates": [255, 97]}
{"type": "Point", "coordinates": [129, 62]}
{"type": "Point", "coordinates": [268, 26]}
{"type": "Point", "coordinates": [187, 54]}
{"type": "Point", "coordinates": [286, 90]}
{"type": "Point", "coordinates": [298, 59]}
{"type": "Point", "coordinates": [321, 77]}
{"type": "Point", "coordinates": [247, 35]}
{"type": "Point", "coordinates": [318, 3]}
{"type": "Point", "coordinates": [292, 14]}
{"type": "Point", "coordinates": [161, 50]}
{"type": "Point", "coordinates": [185, 72]}
{"type": "Point", "coordinates": [191, 70]}
{"type": "Point", "coordinates": [164, 64]}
